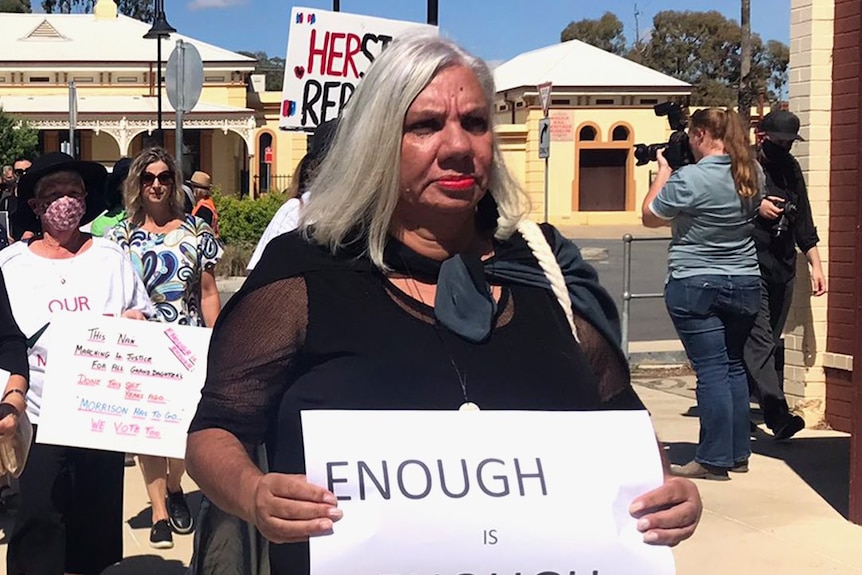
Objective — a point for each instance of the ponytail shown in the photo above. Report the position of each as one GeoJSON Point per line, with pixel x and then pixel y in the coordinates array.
{"type": "Point", "coordinates": [726, 125]}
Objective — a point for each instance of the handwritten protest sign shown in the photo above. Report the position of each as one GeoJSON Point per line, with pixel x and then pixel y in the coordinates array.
{"type": "Point", "coordinates": [122, 385]}
{"type": "Point", "coordinates": [433, 493]}
{"type": "Point", "coordinates": [327, 54]}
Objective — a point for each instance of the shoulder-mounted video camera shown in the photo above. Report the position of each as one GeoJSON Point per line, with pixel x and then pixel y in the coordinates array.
{"type": "Point", "coordinates": [677, 151]}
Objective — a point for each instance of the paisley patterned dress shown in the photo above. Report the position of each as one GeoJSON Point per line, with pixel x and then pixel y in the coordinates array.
{"type": "Point", "coordinates": [171, 265]}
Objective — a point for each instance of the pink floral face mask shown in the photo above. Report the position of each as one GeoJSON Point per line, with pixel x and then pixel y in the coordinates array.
{"type": "Point", "coordinates": [64, 214]}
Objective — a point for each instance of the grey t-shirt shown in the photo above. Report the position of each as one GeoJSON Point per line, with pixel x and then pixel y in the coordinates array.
{"type": "Point", "coordinates": [711, 223]}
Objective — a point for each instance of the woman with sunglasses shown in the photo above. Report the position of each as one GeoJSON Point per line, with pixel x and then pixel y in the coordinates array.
{"type": "Point", "coordinates": [175, 254]}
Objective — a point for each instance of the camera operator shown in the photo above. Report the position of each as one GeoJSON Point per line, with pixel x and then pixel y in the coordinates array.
{"type": "Point", "coordinates": [712, 293]}
{"type": "Point", "coordinates": [785, 223]}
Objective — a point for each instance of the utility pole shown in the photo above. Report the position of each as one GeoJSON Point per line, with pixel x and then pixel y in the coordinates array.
{"type": "Point", "coordinates": [744, 95]}
{"type": "Point", "coordinates": [336, 5]}
{"type": "Point", "coordinates": [432, 12]}
{"type": "Point", "coordinates": [637, 28]}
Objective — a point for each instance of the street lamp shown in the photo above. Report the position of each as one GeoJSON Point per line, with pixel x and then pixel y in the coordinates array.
{"type": "Point", "coordinates": [160, 29]}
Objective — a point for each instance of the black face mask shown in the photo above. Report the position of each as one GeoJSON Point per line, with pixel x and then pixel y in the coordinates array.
{"type": "Point", "coordinates": [774, 152]}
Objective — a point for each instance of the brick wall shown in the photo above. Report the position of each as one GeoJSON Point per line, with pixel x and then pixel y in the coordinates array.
{"type": "Point", "coordinates": [844, 174]}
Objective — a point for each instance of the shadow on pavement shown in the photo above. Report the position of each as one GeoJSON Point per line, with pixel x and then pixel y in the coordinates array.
{"type": "Point", "coordinates": [147, 564]}
{"type": "Point", "coordinates": [823, 463]}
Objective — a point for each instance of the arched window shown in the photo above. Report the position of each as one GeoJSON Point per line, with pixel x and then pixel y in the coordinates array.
{"type": "Point", "coordinates": [620, 134]}
{"type": "Point", "coordinates": [587, 134]}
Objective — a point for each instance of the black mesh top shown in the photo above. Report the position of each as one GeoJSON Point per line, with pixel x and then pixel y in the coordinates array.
{"type": "Point", "coordinates": [310, 330]}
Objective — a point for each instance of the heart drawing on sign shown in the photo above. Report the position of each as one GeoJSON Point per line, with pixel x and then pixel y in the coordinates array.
{"type": "Point", "coordinates": [312, 19]}
{"type": "Point", "coordinates": [288, 108]}
{"type": "Point", "coordinates": [299, 18]}
{"type": "Point", "coordinates": [299, 71]}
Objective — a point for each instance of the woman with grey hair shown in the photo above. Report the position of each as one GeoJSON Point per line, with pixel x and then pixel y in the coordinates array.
{"type": "Point", "coordinates": [408, 286]}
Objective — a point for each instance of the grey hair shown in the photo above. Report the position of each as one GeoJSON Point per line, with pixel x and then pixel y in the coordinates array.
{"type": "Point", "coordinates": [357, 186]}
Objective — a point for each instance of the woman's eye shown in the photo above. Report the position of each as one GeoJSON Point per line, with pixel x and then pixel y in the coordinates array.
{"type": "Point", "coordinates": [475, 124]}
{"type": "Point", "coordinates": [424, 127]}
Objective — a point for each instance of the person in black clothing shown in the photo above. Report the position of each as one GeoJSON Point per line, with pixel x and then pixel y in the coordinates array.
{"type": "Point", "coordinates": [785, 223]}
{"type": "Point", "coordinates": [411, 284]}
{"type": "Point", "coordinates": [13, 359]}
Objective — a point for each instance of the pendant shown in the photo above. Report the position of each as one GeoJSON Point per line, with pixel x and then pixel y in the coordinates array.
{"type": "Point", "coordinates": [468, 406]}
{"type": "Point", "coordinates": [62, 280]}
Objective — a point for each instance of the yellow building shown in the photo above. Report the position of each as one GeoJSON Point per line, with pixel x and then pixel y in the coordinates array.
{"type": "Point", "coordinates": [601, 105]}
{"type": "Point", "coordinates": [114, 71]}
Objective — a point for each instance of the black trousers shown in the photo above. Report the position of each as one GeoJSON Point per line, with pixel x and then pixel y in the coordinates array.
{"type": "Point", "coordinates": [70, 518]}
{"type": "Point", "coordinates": [764, 352]}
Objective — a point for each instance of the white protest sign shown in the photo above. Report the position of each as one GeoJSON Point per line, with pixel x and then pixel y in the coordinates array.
{"type": "Point", "coordinates": [327, 54]}
{"type": "Point", "coordinates": [122, 385]}
{"type": "Point", "coordinates": [433, 493]}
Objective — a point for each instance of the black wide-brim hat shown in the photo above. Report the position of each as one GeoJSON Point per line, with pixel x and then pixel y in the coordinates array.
{"type": "Point", "coordinates": [93, 174]}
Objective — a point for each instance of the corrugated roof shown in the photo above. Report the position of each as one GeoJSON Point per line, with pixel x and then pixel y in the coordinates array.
{"type": "Point", "coordinates": [83, 38]}
{"type": "Point", "coordinates": [576, 64]}
{"type": "Point", "coordinates": [115, 105]}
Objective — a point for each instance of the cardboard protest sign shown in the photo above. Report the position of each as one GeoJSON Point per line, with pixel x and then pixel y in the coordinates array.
{"type": "Point", "coordinates": [483, 492]}
{"type": "Point", "coordinates": [327, 54]}
{"type": "Point", "coordinates": [122, 385]}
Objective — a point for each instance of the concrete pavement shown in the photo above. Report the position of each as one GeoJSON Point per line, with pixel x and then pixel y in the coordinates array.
{"type": "Point", "coordinates": [784, 516]}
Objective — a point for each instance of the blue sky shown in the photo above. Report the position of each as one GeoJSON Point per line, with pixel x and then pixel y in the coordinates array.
{"type": "Point", "coordinates": [492, 29]}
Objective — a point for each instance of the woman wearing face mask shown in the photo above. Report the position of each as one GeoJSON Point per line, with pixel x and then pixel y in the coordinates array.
{"type": "Point", "coordinates": [175, 253]}
{"type": "Point", "coordinates": [71, 499]}
{"type": "Point", "coordinates": [713, 288]}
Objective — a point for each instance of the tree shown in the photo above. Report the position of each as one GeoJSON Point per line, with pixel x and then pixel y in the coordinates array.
{"type": "Point", "coordinates": [605, 33]}
{"type": "Point", "coordinates": [703, 49]}
{"type": "Point", "coordinates": [15, 6]}
{"type": "Point", "coordinates": [272, 67]}
{"type": "Point", "coordinates": [776, 59]}
{"type": "Point", "coordinates": [139, 9]}
{"type": "Point", "coordinates": [17, 139]}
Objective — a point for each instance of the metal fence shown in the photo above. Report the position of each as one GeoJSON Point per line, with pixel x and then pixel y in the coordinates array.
{"type": "Point", "coordinates": [273, 183]}
{"type": "Point", "coordinates": [628, 296]}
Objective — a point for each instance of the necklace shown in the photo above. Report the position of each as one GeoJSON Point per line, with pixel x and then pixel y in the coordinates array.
{"type": "Point", "coordinates": [467, 405]}
{"type": "Point", "coordinates": [57, 269]}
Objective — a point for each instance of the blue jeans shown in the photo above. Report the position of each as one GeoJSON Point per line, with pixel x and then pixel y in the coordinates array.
{"type": "Point", "coordinates": [713, 316]}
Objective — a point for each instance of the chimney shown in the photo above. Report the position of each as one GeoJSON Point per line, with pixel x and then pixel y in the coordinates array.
{"type": "Point", "coordinates": [105, 10]}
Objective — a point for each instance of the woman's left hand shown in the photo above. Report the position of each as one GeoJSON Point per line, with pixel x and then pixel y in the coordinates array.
{"type": "Point", "coordinates": [8, 419]}
{"type": "Point", "coordinates": [134, 314]}
{"type": "Point", "coordinates": [668, 514]}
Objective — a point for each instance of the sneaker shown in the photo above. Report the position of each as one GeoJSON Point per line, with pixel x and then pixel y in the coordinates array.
{"type": "Point", "coordinates": [697, 470]}
{"type": "Point", "coordinates": [740, 466]}
{"type": "Point", "coordinates": [179, 515]}
{"type": "Point", "coordinates": [790, 427]}
{"type": "Point", "coordinates": [129, 460]}
{"type": "Point", "coordinates": [160, 535]}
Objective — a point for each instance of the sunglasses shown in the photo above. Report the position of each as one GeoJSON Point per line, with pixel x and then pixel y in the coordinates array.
{"type": "Point", "coordinates": [165, 178]}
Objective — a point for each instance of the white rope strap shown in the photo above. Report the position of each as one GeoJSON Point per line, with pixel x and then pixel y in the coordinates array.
{"type": "Point", "coordinates": [542, 251]}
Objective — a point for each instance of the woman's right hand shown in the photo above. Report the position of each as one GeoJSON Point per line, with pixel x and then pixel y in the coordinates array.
{"type": "Point", "coordinates": [289, 509]}
{"type": "Point", "coordinates": [769, 209]}
{"type": "Point", "coordinates": [661, 160]}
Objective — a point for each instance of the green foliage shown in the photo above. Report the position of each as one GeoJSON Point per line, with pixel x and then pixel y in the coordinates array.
{"type": "Point", "coordinates": [242, 221]}
{"type": "Point", "coordinates": [701, 48]}
{"type": "Point", "coordinates": [605, 33]}
{"type": "Point", "coordinates": [140, 9]}
{"type": "Point", "coordinates": [17, 138]}
{"type": "Point", "coordinates": [15, 6]}
{"type": "Point", "coordinates": [272, 67]}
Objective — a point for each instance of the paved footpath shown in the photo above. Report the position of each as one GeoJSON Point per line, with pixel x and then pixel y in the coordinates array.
{"type": "Point", "coordinates": [783, 517]}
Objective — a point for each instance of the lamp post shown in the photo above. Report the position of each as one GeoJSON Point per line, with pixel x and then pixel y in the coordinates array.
{"type": "Point", "coordinates": [160, 29]}
{"type": "Point", "coordinates": [336, 5]}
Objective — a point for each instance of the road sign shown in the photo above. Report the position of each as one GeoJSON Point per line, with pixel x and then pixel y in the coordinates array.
{"type": "Point", "coordinates": [544, 138]}
{"type": "Point", "coordinates": [184, 77]}
{"type": "Point", "coordinates": [545, 96]}
{"type": "Point", "coordinates": [267, 155]}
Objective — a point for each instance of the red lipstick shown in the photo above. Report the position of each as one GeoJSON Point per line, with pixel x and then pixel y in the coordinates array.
{"type": "Point", "coordinates": [460, 183]}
